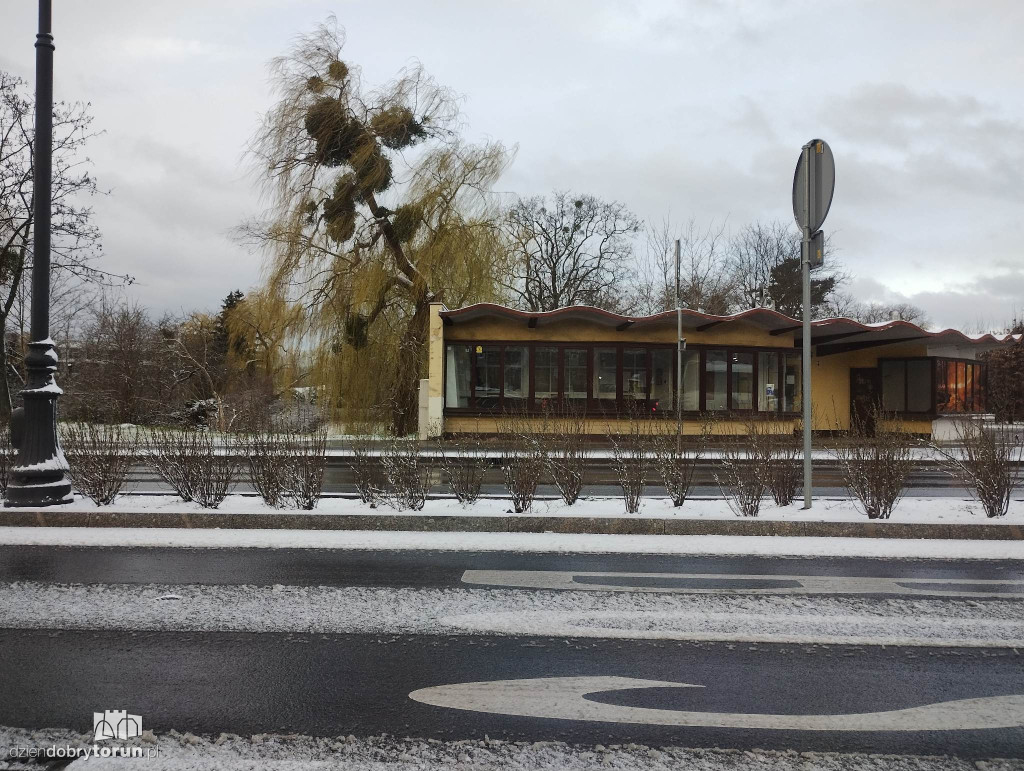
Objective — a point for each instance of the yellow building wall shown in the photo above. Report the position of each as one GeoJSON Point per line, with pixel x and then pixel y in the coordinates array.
{"type": "Point", "coordinates": [830, 385]}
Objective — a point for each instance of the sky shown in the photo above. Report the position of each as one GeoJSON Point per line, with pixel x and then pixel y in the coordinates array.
{"type": "Point", "coordinates": [690, 109]}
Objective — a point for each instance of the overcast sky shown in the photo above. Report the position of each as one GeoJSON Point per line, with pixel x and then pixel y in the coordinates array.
{"type": "Point", "coordinates": [689, 109]}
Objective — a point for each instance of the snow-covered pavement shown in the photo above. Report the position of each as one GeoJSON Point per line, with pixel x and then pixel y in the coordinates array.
{"type": "Point", "coordinates": [624, 615]}
{"type": "Point", "coordinates": [228, 752]}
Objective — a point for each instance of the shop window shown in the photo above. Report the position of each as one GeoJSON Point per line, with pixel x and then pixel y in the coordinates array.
{"type": "Point", "coordinates": [792, 385]}
{"type": "Point", "coordinates": [488, 377]}
{"type": "Point", "coordinates": [894, 386]}
{"type": "Point", "coordinates": [716, 378]}
{"type": "Point", "coordinates": [517, 379]}
{"type": "Point", "coordinates": [634, 375]}
{"type": "Point", "coordinates": [459, 374]}
{"type": "Point", "coordinates": [691, 381]}
{"type": "Point", "coordinates": [919, 385]}
{"type": "Point", "coordinates": [576, 377]}
{"type": "Point", "coordinates": [662, 377]}
{"type": "Point", "coordinates": [545, 376]}
{"type": "Point", "coordinates": [605, 388]}
{"type": "Point", "coordinates": [768, 382]}
{"type": "Point", "coordinates": [742, 381]}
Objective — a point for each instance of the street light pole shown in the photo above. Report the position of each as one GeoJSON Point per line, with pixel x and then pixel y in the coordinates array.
{"type": "Point", "coordinates": [40, 476]}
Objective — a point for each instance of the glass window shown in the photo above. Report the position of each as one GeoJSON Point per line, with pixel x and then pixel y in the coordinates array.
{"type": "Point", "coordinates": [488, 376]}
{"type": "Point", "coordinates": [545, 376]}
{"type": "Point", "coordinates": [768, 382]}
{"type": "Point", "coordinates": [969, 388]}
{"type": "Point", "coordinates": [960, 395]}
{"type": "Point", "coordinates": [604, 375]}
{"type": "Point", "coordinates": [517, 378]}
{"type": "Point", "coordinates": [792, 385]}
{"type": "Point", "coordinates": [894, 379]}
{"type": "Point", "coordinates": [634, 374]}
{"type": "Point", "coordinates": [742, 381]}
{"type": "Point", "coordinates": [662, 378]}
{"type": "Point", "coordinates": [691, 381]}
{"type": "Point", "coordinates": [980, 384]}
{"type": "Point", "coordinates": [919, 385]}
{"type": "Point", "coordinates": [576, 377]}
{"type": "Point", "coordinates": [458, 371]}
{"type": "Point", "coordinates": [716, 379]}
{"type": "Point", "coordinates": [941, 387]}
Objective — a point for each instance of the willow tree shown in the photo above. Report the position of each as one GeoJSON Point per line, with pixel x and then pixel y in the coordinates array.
{"type": "Point", "coordinates": [378, 208]}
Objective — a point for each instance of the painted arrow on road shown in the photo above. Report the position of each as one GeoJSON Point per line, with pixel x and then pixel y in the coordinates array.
{"type": "Point", "coordinates": [564, 698]}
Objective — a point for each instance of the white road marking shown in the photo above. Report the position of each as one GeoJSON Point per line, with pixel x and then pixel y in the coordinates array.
{"type": "Point", "coordinates": [564, 698]}
{"type": "Point", "coordinates": [564, 579]}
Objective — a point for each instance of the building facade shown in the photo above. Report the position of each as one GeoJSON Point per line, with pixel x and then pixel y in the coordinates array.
{"type": "Point", "coordinates": [487, 361]}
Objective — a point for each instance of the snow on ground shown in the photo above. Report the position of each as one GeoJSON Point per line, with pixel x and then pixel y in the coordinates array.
{"type": "Point", "coordinates": [561, 543]}
{"type": "Point", "coordinates": [817, 619]}
{"type": "Point", "coordinates": [946, 510]}
{"type": "Point", "coordinates": [175, 751]}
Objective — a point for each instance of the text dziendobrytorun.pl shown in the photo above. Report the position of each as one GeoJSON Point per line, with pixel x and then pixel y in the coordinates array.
{"type": "Point", "coordinates": [65, 751]}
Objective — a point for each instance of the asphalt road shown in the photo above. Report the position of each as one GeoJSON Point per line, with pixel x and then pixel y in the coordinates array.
{"type": "Point", "coordinates": [360, 684]}
{"type": "Point", "coordinates": [437, 569]}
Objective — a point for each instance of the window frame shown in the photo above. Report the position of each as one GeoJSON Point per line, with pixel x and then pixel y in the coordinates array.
{"type": "Point", "coordinates": [598, 407]}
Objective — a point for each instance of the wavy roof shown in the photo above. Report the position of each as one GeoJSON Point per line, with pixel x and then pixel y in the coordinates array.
{"type": "Point", "coordinates": [822, 331]}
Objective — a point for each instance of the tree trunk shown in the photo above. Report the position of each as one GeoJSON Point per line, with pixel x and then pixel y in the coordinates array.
{"type": "Point", "coordinates": [5, 384]}
{"type": "Point", "coordinates": [405, 403]}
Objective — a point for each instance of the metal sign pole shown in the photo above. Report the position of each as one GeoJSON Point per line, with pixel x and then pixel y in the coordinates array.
{"type": "Point", "coordinates": [806, 368]}
{"type": "Point", "coordinates": [680, 345]}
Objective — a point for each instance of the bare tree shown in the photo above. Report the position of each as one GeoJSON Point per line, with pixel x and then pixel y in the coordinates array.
{"type": "Point", "coordinates": [844, 305]}
{"type": "Point", "coordinates": [571, 250]}
{"type": "Point", "coordinates": [75, 238]}
{"type": "Point", "coordinates": [765, 259]}
{"type": "Point", "coordinates": [706, 280]}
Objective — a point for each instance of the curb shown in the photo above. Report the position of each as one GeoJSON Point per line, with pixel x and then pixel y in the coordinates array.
{"type": "Point", "coordinates": [512, 524]}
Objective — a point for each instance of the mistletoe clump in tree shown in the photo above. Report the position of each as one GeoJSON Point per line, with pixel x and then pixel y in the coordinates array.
{"type": "Point", "coordinates": [378, 209]}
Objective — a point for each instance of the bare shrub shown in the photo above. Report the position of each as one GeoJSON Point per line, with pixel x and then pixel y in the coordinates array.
{"type": "Point", "coordinates": [100, 458]}
{"type": "Point", "coordinates": [566, 451]}
{"type": "Point", "coordinates": [367, 471]}
{"type": "Point", "coordinates": [408, 474]}
{"type": "Point", "coordinates": [190, 462]}
{"type": "Point", "coordinates": [522, 460]}
{"type": "Point", "coordinates": [631, 456]}
{"type": "Point", "coordinates": [266, 456]}
{"type": "Point", "coordinates": [676, 459]}
{"type": "Point", "coordinates": [463, 463]}
{"type": "Point", "coordinates": [985, 462]}
{"type": "Point", "coordinates": [782, 468]}
{"type": "Point", "coordinates": [875, 462]}
{"type": "Point", "coordinates": [306, 459]}
{"type": "Point", "coordinates": [742, 470]}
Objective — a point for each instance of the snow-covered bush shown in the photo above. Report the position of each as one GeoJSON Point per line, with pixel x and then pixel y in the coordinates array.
{"type": "Point", "coordinates": [367, 471]}
{"type": "Point", "coordinates": [100, 458]}
{"type": "Point", "coordinates": [408, 474]}
{"type": "Point", "coordinates": [306, 459]}
{"type": "Point", "coordinates": [565, 439]}
{"type": "Point", "coordinates": [632, 453]}
{"type": "Point", "coordinates": [986, 463]}
{"type": "Point", "coordinates": [782, 467]}
{"type": "Point", "coordinates": [190, 461]}
{"type": "Point", "coordinates": [267, 460]}
{"type": "Point", "coordinates": [742, 470]}
{"type": "Point", "coordinates": [676, 457]}
{"type": "Point", "coordinates": [7, 455]}
{"type": "Point", "coordinates": [875, 462]}
{"type": "Point", "coordinates": [522, 460]}
{"type": "Point", "coordinates": [464, 463]}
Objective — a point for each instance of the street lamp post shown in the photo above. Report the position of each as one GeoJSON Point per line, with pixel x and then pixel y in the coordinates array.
{"type": "Point", "coordinates": [40, 476]}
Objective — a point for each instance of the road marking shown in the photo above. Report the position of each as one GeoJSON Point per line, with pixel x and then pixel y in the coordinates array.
{"type": "Point", "coordinates": [727, 583]}
{"type": "Point", "coordinates": [564, 698]}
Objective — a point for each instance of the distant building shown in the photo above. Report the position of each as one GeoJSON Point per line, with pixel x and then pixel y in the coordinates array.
{"type": "Point", "coordinates": [487, 360]}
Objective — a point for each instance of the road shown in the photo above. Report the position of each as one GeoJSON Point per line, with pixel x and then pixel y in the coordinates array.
{"type": "Point", "coordinates": [740, 695]}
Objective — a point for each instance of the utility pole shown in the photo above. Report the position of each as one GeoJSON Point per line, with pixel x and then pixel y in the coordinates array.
{"type": "Point", "coordinates": [680, 347]}
{"type": "Point", "coordinates": [805, 369]}
{"type": "Point", "coordinates": [40, 476]}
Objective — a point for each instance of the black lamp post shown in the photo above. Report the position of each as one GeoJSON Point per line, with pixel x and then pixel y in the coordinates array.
{"type": "Point", "coordinates": [40, 476]}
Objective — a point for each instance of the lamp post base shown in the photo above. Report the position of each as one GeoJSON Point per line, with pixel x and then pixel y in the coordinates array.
{"type": "Point", "coordinates": [40, 474]}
